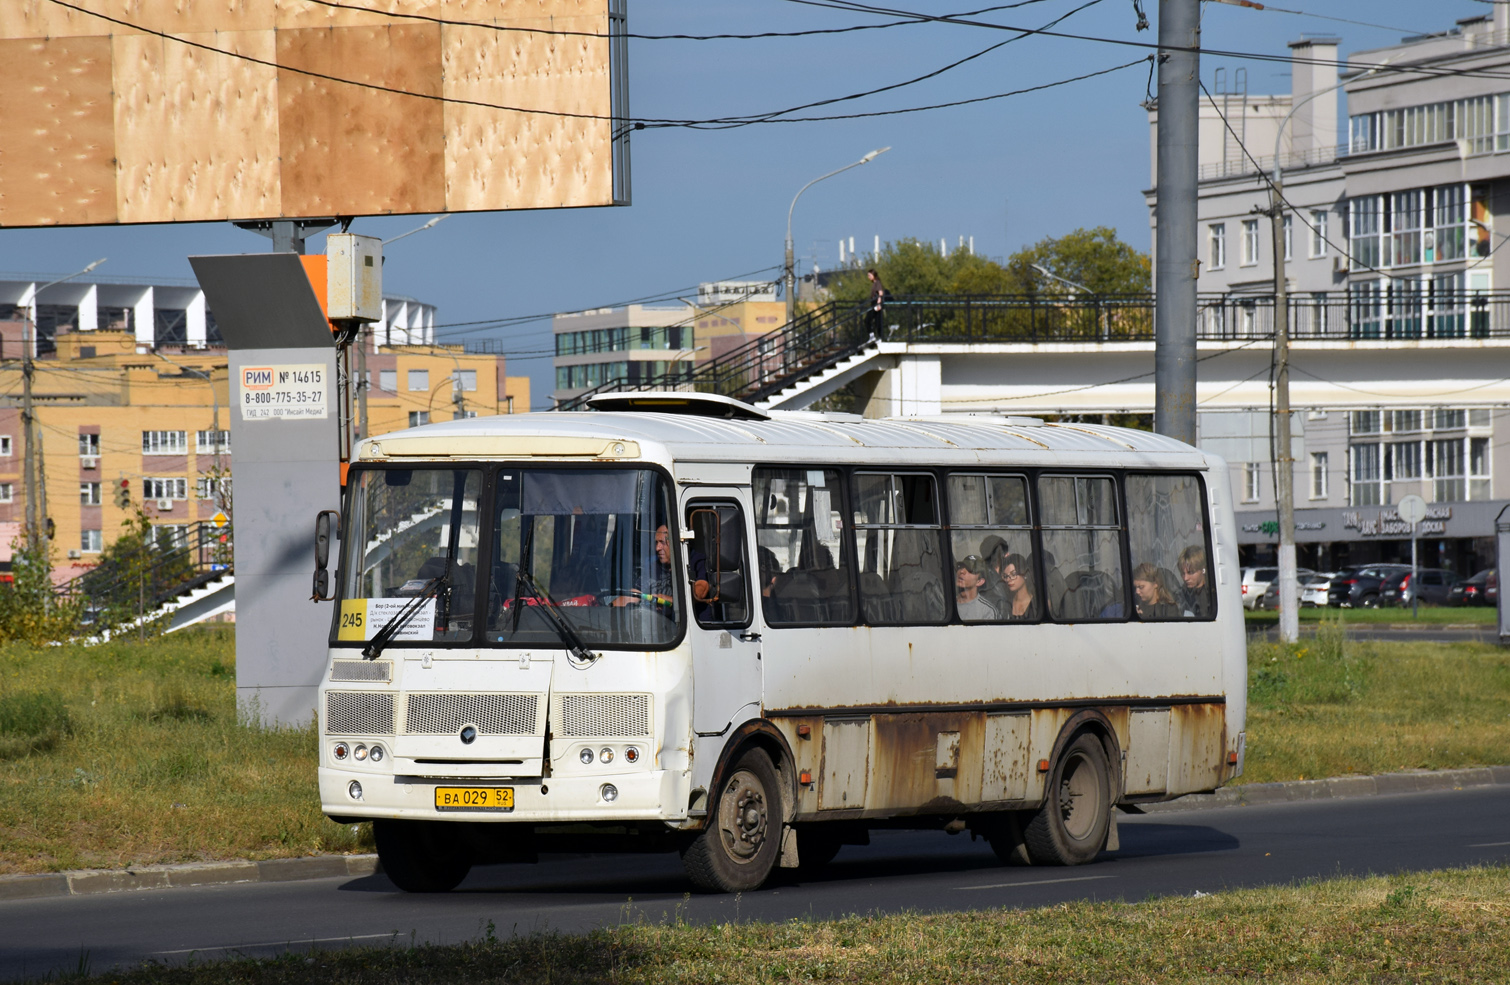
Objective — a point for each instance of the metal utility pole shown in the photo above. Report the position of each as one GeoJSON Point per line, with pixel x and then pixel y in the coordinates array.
{"type": "Point", "coordinates": [789, 271]}
{"type": "Point", "coordinates": [1175, 218]}
{"type": "Point", "coordinates": [1284, 462]}
{"type": "Point", "coordinates": [36, 502]}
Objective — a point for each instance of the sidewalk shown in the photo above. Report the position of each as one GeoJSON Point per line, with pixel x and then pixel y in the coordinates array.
{"type": "Point", "coordinates": [90, 881]}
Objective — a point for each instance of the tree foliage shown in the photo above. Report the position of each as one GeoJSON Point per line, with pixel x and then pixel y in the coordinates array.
{"type": "Point", "coordinates": [30, 610]}
{"type": "Point", "coordinates": [1095, 258]}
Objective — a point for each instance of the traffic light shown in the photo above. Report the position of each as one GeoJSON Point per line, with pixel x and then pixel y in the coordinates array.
{"type": "Point", "coordinates": [123, 494]}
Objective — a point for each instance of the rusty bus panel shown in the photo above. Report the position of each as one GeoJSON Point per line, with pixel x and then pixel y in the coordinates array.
{"type": "Point", "coordinates": [846, 763]}
{"type": "Point", "coordinates": [1197, 744]}
{"type": "Point", "coordinates": [1147, 748]}
{"type": "Point", "coordinates": [804, 736]}
{"type": "Point", "coordinates": [1006, 761]}
{"type": "Point", "coordinates": [1045, 727]}
{"type": "Point", "coordinates": [908, 772]}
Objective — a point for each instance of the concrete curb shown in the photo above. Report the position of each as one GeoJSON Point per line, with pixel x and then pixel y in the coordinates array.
{"type": "Point", "coordinates": [91, 881]}
{"type": "Point", "coordinates": [1337, 788]}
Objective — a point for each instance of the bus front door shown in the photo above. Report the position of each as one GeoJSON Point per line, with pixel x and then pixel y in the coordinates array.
{"type": "Point", "coordinates": [725, 647]}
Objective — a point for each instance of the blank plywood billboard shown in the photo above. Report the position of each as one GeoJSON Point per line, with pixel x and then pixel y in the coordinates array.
{"type": "Point", "coordinates": [195, 110]}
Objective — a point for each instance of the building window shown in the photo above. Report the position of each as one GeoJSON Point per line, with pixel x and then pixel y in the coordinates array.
{"type": "Point", "coordinates": [1364, 422]}
{"type": "Point", "coordinates": [209, 442]}
{"type": "Point", "coordinates": [1479, 417]}
{"type": "Point", "coordinates": [1318, 475]}
{"type": "Point", "coordinates": [89, 494]}
{"type": "Point", "coordinates": [463, 415]}
{"type": "Point", "coordinates": [1400, 421]}
{"type": "Point", "coordinates": [1250, 242]}
{"type": "Point", "coordinates": [1364, 486]}
{"type": "Point", "coordinates": [1403, 460]}
{"type": "Point", "coordinates": [207, 487]}
{"type": "Point", "coordinates": [1405, 228]}
{"type": "Point", "coordinates": [1251, 482]}
{"type": "Point", "coordinates": [1478, 469]}
{"type": "Point", "coordinates": [388, 380]}
{"type": "Point", "coordinates": [5, 446]}
{"type": "Point", "coordinates": [165, 487]}
{"type": "Point", "coordinates": [91, 541]}
{"type": "Point", "coordinates": [7, 492]}
{"type": "Point", "coordinates": [165, 442]}
{"type": "Point", "coordinates": [1448, 419]}
{"type": "Point", "coordinates": [1318, 234]}
{"type": "Point", "coordinates": [418, 417]}
{"type": "Point", "coordinates": [1289, 236]}
{"type": "Point", "coordinates": [465, 380]}
{"type": "Point", "coordinates": [419, 380]}
{"type": "Point", "coordinates": [1363, 229]}
{"type": "Point", "coordinates": [1445, 459]}
{"type": "Point", "coordinates": [1448, 221]}
{"type": "Point", "coordinates": [89, 446]}
{"type": "Point", "coordinates": [1216, 239]}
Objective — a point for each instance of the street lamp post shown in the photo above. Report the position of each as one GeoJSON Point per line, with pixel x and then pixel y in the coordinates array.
{"type": "Point", "coordinates": [790, 270]}
{"type": "Point", "coordinates": [36, 523]}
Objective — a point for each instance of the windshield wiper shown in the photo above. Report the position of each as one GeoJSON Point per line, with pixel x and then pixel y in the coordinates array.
{"type": "Point", "coordinates": [400, 619]}
{"type": "Point", "coordinates": [563, 627]}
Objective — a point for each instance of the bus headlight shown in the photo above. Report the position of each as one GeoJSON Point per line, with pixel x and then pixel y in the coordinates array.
{"type": "Point", "coordinates": [605, 755]}
{"type": "Point", "coordinates": [609, 793]}
{"type": "Point", "coordinates": [340, 751]}
{"type": "Point", "coordinates": [359, 753]}
{"type": "Point", "coordinates": [376, 754]}
{"type": "Point", "coordinates": [354, 790]}
{"type": "Point", "coordinates": [586, 757]}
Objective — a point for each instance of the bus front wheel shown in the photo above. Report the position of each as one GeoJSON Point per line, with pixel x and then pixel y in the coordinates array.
{"type": "Point", "coordinates": [1071, 826]}
{"type": "Point", "coordinates": [422, 856]}
{"type": "Point", "coordinates": [740, 845]}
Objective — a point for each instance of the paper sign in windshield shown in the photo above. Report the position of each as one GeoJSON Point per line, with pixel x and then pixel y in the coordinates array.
{"type": "Point", "coordinates": [362, 618]}
{"type": "Point", "coordinates": [288, 392]}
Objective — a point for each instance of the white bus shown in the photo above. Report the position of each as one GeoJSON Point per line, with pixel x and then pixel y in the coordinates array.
{"type": "Point", "coordinates": [680, 622]}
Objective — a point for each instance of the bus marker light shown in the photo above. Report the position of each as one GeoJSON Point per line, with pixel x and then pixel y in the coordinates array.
{"type": "Point", "coordinates": [605, 755]}
{"type": "Point", "coordinates": [631, 755]}
{"type": "Point", "coordinates": [354, 789]}
{"type": "Point", "coordinates": [586, 757]}
{"type": "Point", "coordinates": [1232, 759]}
{"type": "Point", "coordinates": [609, 793]}
{"type": "Point", "coordinates": [359, 753]}
{"type": "Point", "coordinates": [1043, 766]}
{"type": "Point", "coordinates": [804, 730]}
{"type": "Point", "coordinates": [805, 778]}
{"type": "Point", "coordinates": [339, 751]}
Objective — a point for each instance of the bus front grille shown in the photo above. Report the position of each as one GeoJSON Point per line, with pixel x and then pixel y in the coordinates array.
{"type": "Point", "coordinates": [492, 714]}
{"type": "Point", "coordinates": [358, 713]}
{"type": "Point", "coordinates": [592, 716]}
{"type": "Point", "coordinates": [370, 671]}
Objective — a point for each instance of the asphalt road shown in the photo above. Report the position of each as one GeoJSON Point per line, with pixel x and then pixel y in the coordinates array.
{"type": "Point", "coordinates": [1162, 854]}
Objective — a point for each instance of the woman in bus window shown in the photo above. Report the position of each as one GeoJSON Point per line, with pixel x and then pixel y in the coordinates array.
{"type": "Point", "coordinates": [1017, 577]}
{"type": "Point", "coordinates": [1154, 598]}
{"type": "Point", "coordinates": [1197, 594]}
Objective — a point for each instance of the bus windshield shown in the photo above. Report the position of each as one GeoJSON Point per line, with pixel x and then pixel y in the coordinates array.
{"type": "Point", "coordinates": [590, 543]}
{"type": "Point", "coordinates": [594, 544]}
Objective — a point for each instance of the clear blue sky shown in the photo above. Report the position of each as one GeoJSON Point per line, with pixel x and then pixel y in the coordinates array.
{"type": "Point", "coordinates": [710, 205]}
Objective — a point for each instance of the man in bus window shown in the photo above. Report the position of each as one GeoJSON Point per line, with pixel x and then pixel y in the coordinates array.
{"type": "Point", "coordinates": [969, 576]}
{"type": "Point", "coordinates": [1196, 597]}
{"type": "Point", "coordinates": [659, 587]}
{"type": "Point", "coordinates": [995, 552]}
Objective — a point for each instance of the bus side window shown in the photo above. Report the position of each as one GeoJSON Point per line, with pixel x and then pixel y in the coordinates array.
{"type": "Point", "coordinates": [1167, 541]}
{"type": "Point", "coordinates": [899, 539]}
{"type": "Point", "coordinates": [990, 528]}
{"type": "Point", "coordinates": [1082, 545]}
{"type": "Point", "coordinates": [718, 550]}
{"type": "Point", "coordinates": [799, 531]}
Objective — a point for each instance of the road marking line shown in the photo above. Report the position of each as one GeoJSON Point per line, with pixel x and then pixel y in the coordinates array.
{"type": "Point", "coordinates": [1035, 882]}
{"type": "Point", "coordinates": [1491, 844]}
{"type": "Point", "coordinates": [285, 943]}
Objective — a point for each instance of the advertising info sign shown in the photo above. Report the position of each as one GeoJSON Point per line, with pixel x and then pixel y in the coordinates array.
{"type": "Point", "coordinates": [269, 393]}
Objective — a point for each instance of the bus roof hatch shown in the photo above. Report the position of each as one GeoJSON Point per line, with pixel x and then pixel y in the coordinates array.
{"type": "Point", "coordinates": [678, 402]}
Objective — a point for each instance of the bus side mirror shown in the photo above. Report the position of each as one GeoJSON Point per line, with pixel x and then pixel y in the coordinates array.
{"type": "Point", "coordinates": [708, 533]}
{"type": "Point", "coordinates": [322, 591]}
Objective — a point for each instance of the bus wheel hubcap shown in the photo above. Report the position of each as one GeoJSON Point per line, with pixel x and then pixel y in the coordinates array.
{"type": "Point", "coordinates": [742, 816]}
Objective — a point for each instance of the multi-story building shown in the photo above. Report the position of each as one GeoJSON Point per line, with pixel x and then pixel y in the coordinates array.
{"type": "Point", "coordinates": [130, 387]}
{"type": "Point", "coordinates": [644, 342]}
{"type": "Point", "coordinates": [1391, 239]}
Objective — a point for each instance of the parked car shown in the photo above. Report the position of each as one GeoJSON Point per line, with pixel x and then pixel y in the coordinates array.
{"type": "Point", "coordinates": [1359, 588]}
{"type": "Point", "coordinates": [1270, 598]}
{"type": "Point", "coordinates": [1255, 583]}
{"type": "Point", "coordinates": [1433, 586]}
{"type": "Point", "coordinates": [1313, 592]}
{"type": "Point", "coordinates": [1482, 589]}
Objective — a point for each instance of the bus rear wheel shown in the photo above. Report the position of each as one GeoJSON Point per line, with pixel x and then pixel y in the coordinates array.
{"type": "Point", "coordinates": [422, 856]}
{"type": "Point", "coordinates": [1071, 826]}
{"type": "Point", "coordinates": [739, 847]}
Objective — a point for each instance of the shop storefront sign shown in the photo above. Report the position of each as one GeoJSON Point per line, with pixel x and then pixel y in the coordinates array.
{"type": "Point", "coordinates": [1387, 522]}
{"type": "Point", "coordinates": [1271, 527]}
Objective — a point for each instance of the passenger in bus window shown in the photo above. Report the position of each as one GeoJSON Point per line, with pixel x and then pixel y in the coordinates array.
{"type": "Point", "coordinates": [1155, 600]}
{"type": "Point", "coordinates": [1197, 594]}
{"type": "Point", "coordinates": [969, 577]}
{"type": "Point", "coordinates": [995, 551]}
{"type": "Point", "coordinates": [770, 569]}
{"type": "Point", "coordinates": [1017, 576]}
{"type": "Point", "coordinates": [658, 589]}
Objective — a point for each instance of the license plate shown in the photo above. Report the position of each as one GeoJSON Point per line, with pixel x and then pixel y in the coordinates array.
{"type": "Point", "coordinates": [496, 799]}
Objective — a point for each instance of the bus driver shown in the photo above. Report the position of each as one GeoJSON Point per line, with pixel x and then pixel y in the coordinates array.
{"type": "Point", "coordinates": [660, 586]}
